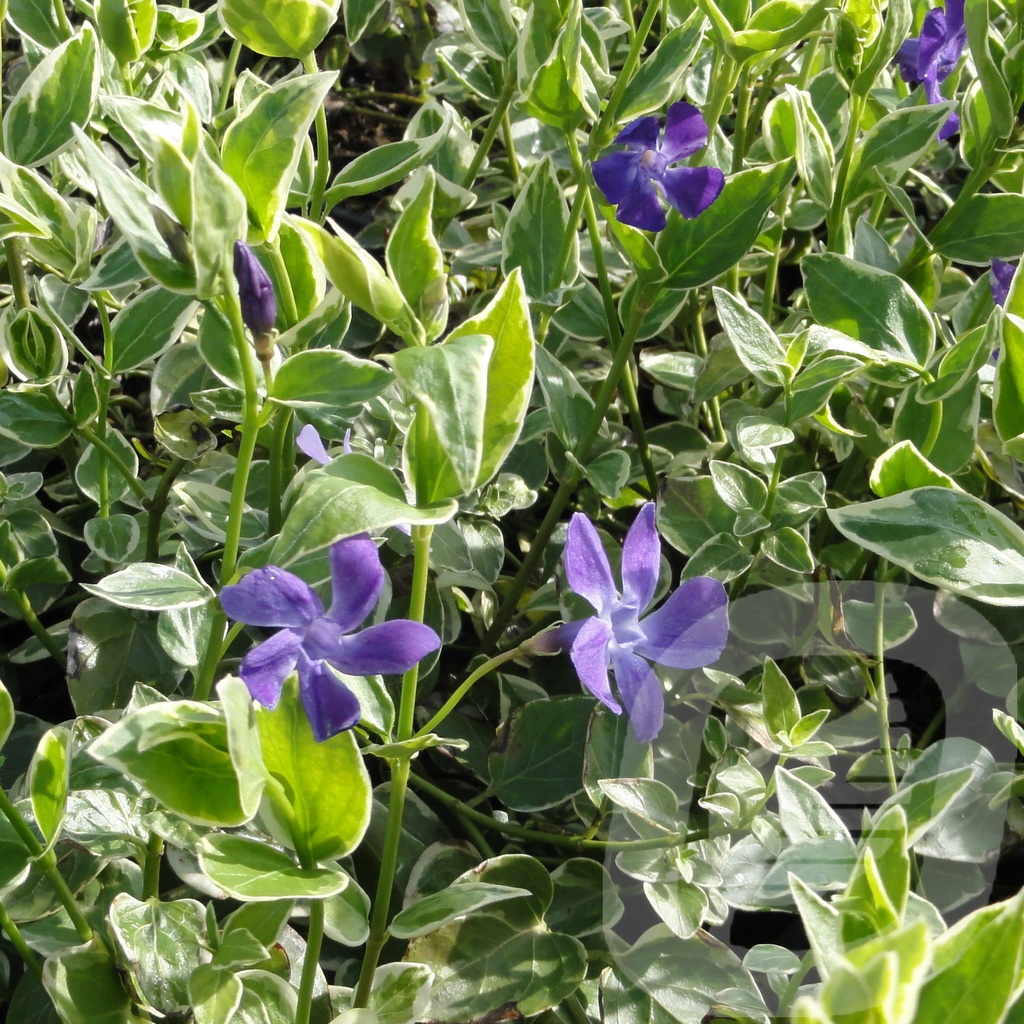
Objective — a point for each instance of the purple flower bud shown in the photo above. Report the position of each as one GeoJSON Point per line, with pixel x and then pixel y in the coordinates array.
{"type": "Point", "coordinates": [1000, 279]}
{"type": "Point", "coordinates": [255, 290]}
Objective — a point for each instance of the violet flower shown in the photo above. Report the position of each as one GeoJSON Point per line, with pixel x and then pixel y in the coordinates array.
{"type": "Point", "coordinates": [932, 57]}
{"type": "Point", "coordinates": [634, 178]}
{"type": "Point", "coordinates": [308, 640]}
{"type": "Point", "coordinates": [1000, 279]}
{"type": "Point", "coordinates": [689, 630]}
{"type": "Point", "coordinates": [311, 444]}
{"type": "Point", "coordinates": [255, 291]}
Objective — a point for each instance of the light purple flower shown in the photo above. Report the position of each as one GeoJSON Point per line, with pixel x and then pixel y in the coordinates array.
{"type": "Point", "coordinates": [1000, 279]}
{"type": "Point", "coordinates": [311, 444]}
{"type": "Point", "coordinates": [308, 640]}
{"type": "Point", "coordinates": [932, 57]}
{"type": "Point", "coordinates": [634, 177]}
{"type": "Point", "coordinates": [689, 630]}
{"type": "Point", "coordinates": [255, 292]}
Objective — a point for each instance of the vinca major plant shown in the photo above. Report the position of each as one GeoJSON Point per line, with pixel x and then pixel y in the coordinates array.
{"type": "Point", "coordinates": [511, 510]}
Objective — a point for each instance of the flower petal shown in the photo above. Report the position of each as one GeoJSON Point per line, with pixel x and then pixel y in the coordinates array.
{"type": "Point", "coordinates": [908, 56]}
{"type": "Point", "coordinates": [933, 38]}
{"type": "Point", "coordinates": [385, 649]}
{"type": "Point", "coordinates": [641, 209]}
{"type": "Point", "coordinates": [265, 668]}
{"type": "Point", "coordinates": [955, 18]}
{"type": "Point", "coordinates": [310, 444]}
{"type": "Point", "coordinates": [1000, 279]}
{"type": "Point", "coordinates": [686, 131]}
{"type": "Point", "coordinates": [641, 560]}
{"type": "Point", "coordinates": [641, 133]}
{"type": "Point", "coordinates": [554, 641]}
{"type": "Point", "coordinates": [951, 127]}
{"type": "Point", "coordinates": [357, 578]}
{"type": "Point", "coordinates": [641, 692]}
{"type": "Point", "coordinates": [331, 706]}
{"type": "Point", "coordinates": [589, 656]}
{"type": "Point", "coordinates": [691, 628]}
{"type": "Point", "coordinates": [691, 190]}
{"type": "Point", "coordinates": [586, 565]}
{"type": "Point", "coordinates": [271, 597]}
{"type": "Point", "coordinates": [617, 174]}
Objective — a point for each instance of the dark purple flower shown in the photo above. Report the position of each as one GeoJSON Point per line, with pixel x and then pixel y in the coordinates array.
{"type": "Point", "coordinates": [932, 57]}
{"type": "Point", "coordinates": [634, 177]}
{"type": "Point", "coordinates": [1000, 278]}
{"type": "Point", "coordinates": [689, 630]}
{"type": "Point", "coordinates": [255, 291]}
{"type": "Point", "coordinates": [309, 640]}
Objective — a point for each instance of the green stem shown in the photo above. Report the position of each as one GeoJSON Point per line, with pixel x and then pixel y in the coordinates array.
{"type": "Point", "coordinates": [934, 429]}
{"type": "Point", "coordinates": [570, 481]}
{"type": "Point", "coordinates": [602, 135]}
{"type": "Point", "coordinates": [103, 395]}
{"type": "Point", "coordinates": [311, 959]}
{"type": "Point", "coordinates": [151, 875]}
{"type": "Point", "coordinates": [722, 87]}
{"type": "Point", "coordinates": [510, 150]}
{"type": "Point", "coordinates": [281, 463]}
{"type": "Point", "coordinates": [39, 631]}
{"type": "Point", "coordinates": [739, 135]}
{"type": "Point", "coordinates": [157, 507]}
{"type": "Point", "coordinates": [46, 861]}
{"type": "Point", "coordinates": [90, 435]}
{"type": "Point", "coordinates": [771, 276]}
{"type": "Point", "coordinates": [17, 940]}
{"type": "Point", "coordinates": [16, 272]}
{"type": "Point", "coordinates": [247, 444]}
{"type": "Point", "coordinates": [611, 315]}
{"type": "Point", "coordinates": [569, 239]}
{"type": "Point", "coordinates": [497, 118]}
{"type": "Point", "coordinates": [835, 221]}
{"type": "Point", "coordinates": [474, 677]}
{"type": "Point", "coordinates": [317, 209]}
{"type": "Point", "coordinates": [228, 77]}
{"type": "Point", "coordinates": [577, 843]}
{"type": "Point", "coordinates": [400, 772]}
{"type": "Point", "coordinates": [289, 310]}
{"type": "Point", "coordinates": [211, 658]}
{"type": "Point", "coordinates": [881, 693]}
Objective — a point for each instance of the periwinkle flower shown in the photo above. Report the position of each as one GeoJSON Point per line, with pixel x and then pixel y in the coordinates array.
{"type": "Point", "coordinates": [689, 630]}
{"type": "Point", "coordinates": [1000, 279]}
{"type": "Point", "coordinates": [255, 291]}
{"type": "Point", "coordinates": [634, 178]}
{"type": "Point", "coordinates": [932, 57]}
{"type": "Point", "coordinates": [309, 640]}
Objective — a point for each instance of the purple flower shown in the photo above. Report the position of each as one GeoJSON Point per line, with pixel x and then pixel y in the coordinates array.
{"type": "Point", "coordinates": [311, 444]}
{"type": "Point", "coordinates": [255, 291]}
{"type": "Point", "coordinates": [689, 630]}
{"type": "Point", "coordinates": [309, 640]}
{"type": "Point", "coordinates": [931, 58]}
{"type": "Point", "coordinates": [634, 177]}
{"type": "Point", "coordinates": [1000, 278]}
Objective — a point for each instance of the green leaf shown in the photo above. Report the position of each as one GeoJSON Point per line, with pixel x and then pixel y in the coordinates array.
{"type": "Point", "coordinates": [448, 380]}
{"type": "Point", "coordinates": [873, 306]}
{"type": "Point", "coordinates": [148, 325]}
{"type": "Point", "coordinates": [32, 418]}
{"type": "Point", "coordinates": [387, 164]}
{"type": "Point", "coordinates": [279, 28]}
{"type": "Point", "coordinates": [58, 95]}
{"type": "Point", "coordinates": [321, 805]}
{"type": "Point", "coordinates": [85, 986]}
{"type": "Point", "coordinates": [362, 280]}
{"type": "Point", "coordinates": [535, 233]}
{"type": "Point", "coordinates": [150, 586]}
{"type": "Point", "coordinates": [127, 27]}
{"type": "Point", "coordinates": [655, 80]}
{"type": "Point", "coordinates": [804, 813]}
{"type": "Point", "coordinates": [129, 203]}
{"type": "Point", "coordinates": [161, 943]}
{"type": "Point", "coordinates": [214, 994]}
{"type": "Point", "coordinates": [440, 908]}
{"type": "Point", "coordinates": [781, 708]}
{"type": "Point", "coordinates": [904, 468]}
{"type": "Point", "coordinates": [788, 548]}
{"type": "Point", "coordinates": [48, 776]}
{"type": "Point", "coordinates": [568, 403]}
{"type": "Point", "coordinates": [755, 342]}
{"type": "Point", "coordinates": [978, 18]}
{"type": "Point", "coordinates": [792, 125]}
{"type": "Point", "coordinates": [218, 220]}
{"type": "Point", "coordinates": [327, 377]}
{"type": "Point", "coordinates": [491, 26]}
{"type": "Point", "coordinates": [178, 752]}
{"type": "Point", "coordinates": [262, 147]}
{"type": "Point", "coordinates": [251, 870]}
{"type": "Point", "coordinates": [6, 714]}
{"type": "Point", "coordinates": [400, 993]}
{"type": "Point", "coordinates": [358, 14]}
{"type": "Point", "coordinates": [944, 537]}
{"type": "Point", "coordinates": [985, 227]}
{"type": "Point", "coordinates": [697, 251]}
{"type": "Point", "coordinates": [1008, 399]}
{"type": "Point", "coordinates": [354, 494]}
{"type": "Point", "coordinates": [537, 761]}
{"type": "Point", "coordinates": [38, 20]}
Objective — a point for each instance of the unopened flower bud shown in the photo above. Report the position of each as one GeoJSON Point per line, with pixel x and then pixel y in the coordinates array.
{"type": "Point", "coordinates": [255, 291]}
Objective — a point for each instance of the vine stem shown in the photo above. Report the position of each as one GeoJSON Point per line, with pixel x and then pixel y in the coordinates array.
{"type": "Point", "coordinates": [570, 481]}
{"type": "Point", "coordinates": [314, 941]}
{"type": "Point", "coordinates": [317, 209]}
{"type": "Point", "coordinates": [400, 771]}
{"type": "Point", "coordinates": [158, 505]}
{"type": "Point", "coordinates": [881, 694]}
{"type": "Point", "coordinates": [17, 940]}
{"type": "Point", "coordinates": [836, 214]}
{"type": "Point", "coordinates": [39, 631]}
{"type": "Point", "coordinates": [47, 862]}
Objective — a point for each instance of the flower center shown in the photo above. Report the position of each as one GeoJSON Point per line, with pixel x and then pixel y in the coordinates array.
{"type": "Point", "coordinates": [649, 161]}
{"type": "Point", "coordinates": [322, 639]}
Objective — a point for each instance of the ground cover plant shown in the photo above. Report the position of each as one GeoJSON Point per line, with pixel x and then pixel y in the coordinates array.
{"type": "Point", "coordinates": [510, 509]}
